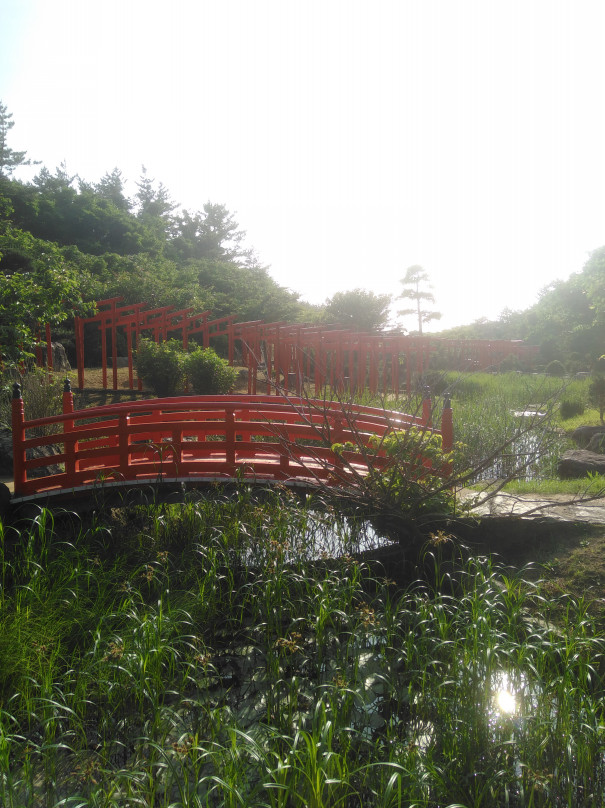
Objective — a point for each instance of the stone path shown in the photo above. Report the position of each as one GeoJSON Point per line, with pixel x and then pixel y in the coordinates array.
{"type": "Point", "coordinates": [555, 506]}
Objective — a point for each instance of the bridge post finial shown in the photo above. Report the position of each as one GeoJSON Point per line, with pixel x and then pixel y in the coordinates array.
{"type": "Point", "coordinates": [67, 385]}
{"type": "Point", "coordinates": [17, 390]}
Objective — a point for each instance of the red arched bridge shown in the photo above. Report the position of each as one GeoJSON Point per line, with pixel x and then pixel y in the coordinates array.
{"type": "Point", "coordinates": [202, 439]}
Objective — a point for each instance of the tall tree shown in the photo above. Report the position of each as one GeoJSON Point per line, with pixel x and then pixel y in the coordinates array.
{"type": "Point", "coordinates": [9, 158]}
{"type": "Point", "coordinates": [415, 283]}
{"type": "Point", "coordinates": [153, 199]}
{"type": "Point", "coordinates": [212, 233]}
{"type": "Point", "coordinates": [360, 309]}
{"type": "Point", "coordinates": [111, 187]}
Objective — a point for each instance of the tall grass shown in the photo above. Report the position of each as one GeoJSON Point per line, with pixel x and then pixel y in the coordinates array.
{"type": "Point", "coordinates": [216, 654]}
{"type": "Point", "coordinates": [512, 419]}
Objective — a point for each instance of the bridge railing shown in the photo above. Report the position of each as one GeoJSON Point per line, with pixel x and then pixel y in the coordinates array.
{"type": "Point", "coordinates": [197, 438]}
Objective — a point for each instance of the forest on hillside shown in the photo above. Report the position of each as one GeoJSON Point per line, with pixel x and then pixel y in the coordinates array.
{"type": "Point", "coordinates": [66, 243]}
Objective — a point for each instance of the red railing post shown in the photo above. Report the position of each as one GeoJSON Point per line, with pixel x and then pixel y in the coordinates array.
{"type": "Point", "coordinates": [447, 431]}
{"type": "Point", "coordinates": [426, 408]}
{"type": "Point", "coordinates": [230, 441]}
{"type": "Point", "coordinates": [18, 426]}
{"type": "Point", "coordinates": [123, 445]}
{"type": "Point", "coordinates": [447, 426]}
{"type": "Point", "coordinates": [70, 445]}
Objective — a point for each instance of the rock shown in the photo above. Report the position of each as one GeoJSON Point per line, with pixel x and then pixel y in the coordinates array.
{"type": "Point", "coordinates": [6, 453]}
{"type": "Point", "coordinates": [583, 434]}
{"type": "Point", "coordinates": [577, 463]}
{"type": "Point", "coordinates": [6, 456]}
{"type": "Point", "coordinates": [5, 499]}
{"type": "Point", "coordinates": [60, 361]}
{"type": "Point", "coordinates": [597, 443]}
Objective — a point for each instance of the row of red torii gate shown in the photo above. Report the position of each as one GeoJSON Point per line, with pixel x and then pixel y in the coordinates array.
{"type": "Point", "coordinates": [282, 356]}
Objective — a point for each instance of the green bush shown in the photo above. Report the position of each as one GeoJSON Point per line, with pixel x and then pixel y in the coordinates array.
{"type": "Point", "coordinates": [161, 366]}
{"type": "Point", "coordinates": [555, 368]}
{"type": "Point", "coordinates": [208, 374]}
{"type": "Point", "coordinates": [596, 394]}
{"type": "Point", "coordinates": [509, 363]}
{"type": "Point", "coordinates": [569, 408]}
{"type": "Point", "coordinates": [42, 396]}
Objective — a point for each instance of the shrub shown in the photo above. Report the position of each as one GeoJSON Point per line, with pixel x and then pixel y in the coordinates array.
{"type": "Point", "coordinates": [209, 374]}
{"type": "Point", "coordinates": [569, 408]}
{"type": "Point", "coordinates": [511, 362]}
{"type": "Point", "coordinates": [555, 368]}
{"type": "Point", "coordinates": [42, 396]}
{"type": "Point", "coordinates": [599, 365]}
{"type": "Point", "coordinates": [161, 366]}
{"type": "Point", "coordinates": [596, 394]}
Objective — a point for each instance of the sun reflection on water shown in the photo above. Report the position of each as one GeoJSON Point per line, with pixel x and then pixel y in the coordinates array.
{"type": "Point", "coordinates": [506, 702]}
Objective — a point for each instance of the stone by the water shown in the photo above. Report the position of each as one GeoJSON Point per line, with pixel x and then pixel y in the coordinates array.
{"type": "Point", "coordinates": [583, 434]}
{"type": "Point", "coordinates": [576, 463]}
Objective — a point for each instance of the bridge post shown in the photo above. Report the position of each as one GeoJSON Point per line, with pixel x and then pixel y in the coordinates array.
{"type": "Point", "coordinates": [426, 407]}
{"type": "Point", "coordinates": [447, 426]}
{"type": "Point", "coordinates": [230, 441]}
{"type": "Point", "coordinates": [447, 431]}
{"type": "Point", "coordinates": [123, 444]}
{"type": "Point", "coordinates": [68, 427]}
{"type": "Point", "coordinates": [18, 426]}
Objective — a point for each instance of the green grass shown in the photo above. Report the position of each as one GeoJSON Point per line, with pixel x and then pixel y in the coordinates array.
{"type": "Point", "coordinates": [589, 486]}
{"type": "Point", "coordinates": [217, 653]}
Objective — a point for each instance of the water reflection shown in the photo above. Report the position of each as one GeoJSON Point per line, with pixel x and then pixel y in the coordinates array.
{"type": "Point", "coordinates": [506, 702]}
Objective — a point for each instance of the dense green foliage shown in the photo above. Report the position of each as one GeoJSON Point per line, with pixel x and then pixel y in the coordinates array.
{"type": "Point", "coordinates": [166, 367]}
{"type": "Point", "coordinates": [65, 242]}
{"type": "Point", "coordinates": [161, 366]}
{"type": "Point", "coordinates": [208, 373]}
{"type": "Point", "coordinates": [199, 655]}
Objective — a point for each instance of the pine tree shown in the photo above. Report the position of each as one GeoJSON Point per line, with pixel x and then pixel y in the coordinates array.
{"type": "Point", "coordinates": [412, 280]}
{"type": "Point", "coordinates": [9, 158]}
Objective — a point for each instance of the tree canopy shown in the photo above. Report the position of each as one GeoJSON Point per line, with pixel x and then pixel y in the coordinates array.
{"type": "Point", "coordinates": [65, 243]}
{"type": "Point", "coordinates": [359, 309]}
{"type": "Point", "coordinates": [9, 158]}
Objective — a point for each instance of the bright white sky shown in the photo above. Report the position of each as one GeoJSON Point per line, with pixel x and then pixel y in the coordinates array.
{"type": "Point", "coordinates": [352, 138]}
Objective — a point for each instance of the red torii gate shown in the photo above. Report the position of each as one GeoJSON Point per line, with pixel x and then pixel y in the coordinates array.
{"type": "Point", "coordinates": [340, 358]}
{"type": "Point", "coordinates": [290, 355]}
{"type": "Point", "coordinates": [135, 319]}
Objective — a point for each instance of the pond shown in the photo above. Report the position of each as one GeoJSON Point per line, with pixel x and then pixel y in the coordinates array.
{"type": "Point", "coordinates": [531, 455]}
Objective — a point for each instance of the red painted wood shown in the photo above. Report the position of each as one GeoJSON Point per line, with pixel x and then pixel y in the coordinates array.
{"type": "Point", "coordinates": [331, 356]}
{"type": "Point", "coordinates": [192, 438]}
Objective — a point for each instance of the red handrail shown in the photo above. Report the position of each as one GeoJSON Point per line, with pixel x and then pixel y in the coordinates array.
{"type": "Point", "coordinates": [195, 438]}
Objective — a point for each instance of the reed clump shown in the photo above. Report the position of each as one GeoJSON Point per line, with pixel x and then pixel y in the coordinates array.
{"type": "Point", "coordinates": [234, 651]}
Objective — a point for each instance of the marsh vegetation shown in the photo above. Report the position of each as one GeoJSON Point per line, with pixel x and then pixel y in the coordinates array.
{"type": "Point", "coordinates": [235, 651]}
{"type": "Point", "coordinates": [245, 649]}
